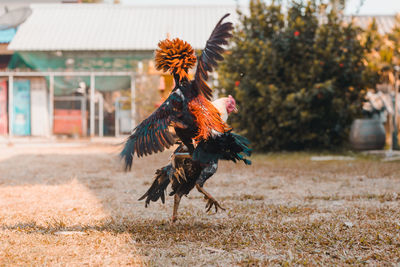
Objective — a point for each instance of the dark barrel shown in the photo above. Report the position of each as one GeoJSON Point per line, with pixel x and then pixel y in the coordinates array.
{"type": "Point", "coordinates": [367, 134]}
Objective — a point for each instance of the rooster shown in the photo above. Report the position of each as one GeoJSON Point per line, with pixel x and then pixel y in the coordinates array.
{"type": "Point", "coordinates": [183, 172]}
{"type": "Point", "coordinates": [196, 121]}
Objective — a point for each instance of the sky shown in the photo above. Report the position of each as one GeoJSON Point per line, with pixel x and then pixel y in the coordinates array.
{"type": "Point", "coordinates": [370, 7]}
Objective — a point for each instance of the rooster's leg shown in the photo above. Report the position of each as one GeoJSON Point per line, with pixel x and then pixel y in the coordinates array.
{"type": "Point", "coordinates": [177, 200]}
{"type": "Point", "coordinates": [206, 172]}
{"type": "Point", "coordinates": [211, 201]}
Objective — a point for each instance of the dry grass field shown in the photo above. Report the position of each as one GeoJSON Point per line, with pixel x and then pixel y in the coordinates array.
{"type": "Point", "coordinates": [73, 206]}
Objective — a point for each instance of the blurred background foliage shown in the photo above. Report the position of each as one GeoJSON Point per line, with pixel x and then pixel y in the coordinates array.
{"type": "Point", "coordinates": [384, 53]}
{"type": "Point", "coordinates": [300, 75]}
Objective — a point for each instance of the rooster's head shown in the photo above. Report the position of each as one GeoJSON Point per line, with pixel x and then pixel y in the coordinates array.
{"type": "Point", "coordinates": [230, 104]}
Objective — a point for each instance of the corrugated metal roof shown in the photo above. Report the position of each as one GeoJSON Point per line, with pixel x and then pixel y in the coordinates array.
{"type": "Point", "coordinates": [75, 27]}
{"type": "Point", "coordinates": [115, 27]}
{"type": "Point", "coordinates": [7, 35]}
{"type": "Point", "coordinates": [385, 23]}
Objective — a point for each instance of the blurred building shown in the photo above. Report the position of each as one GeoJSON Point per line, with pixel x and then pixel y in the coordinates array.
{"type": "Point", "coordinates": [385, 23]}
{"type": "Point", "coordinates": [70, 48]}
{"type": "Point", "coordinates": [87, 69]}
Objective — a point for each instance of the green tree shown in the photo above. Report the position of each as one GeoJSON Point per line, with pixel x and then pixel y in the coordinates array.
{"type": "Point", "coordinates": [296, 75]}
{"type": "Point", "coordinates": [394, 37]}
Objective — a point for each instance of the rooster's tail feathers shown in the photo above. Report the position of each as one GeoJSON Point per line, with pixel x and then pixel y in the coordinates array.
{"type": "Point", "coordinates": [228, 146]}
{"type": "Point", "coordinates": [159, 186]}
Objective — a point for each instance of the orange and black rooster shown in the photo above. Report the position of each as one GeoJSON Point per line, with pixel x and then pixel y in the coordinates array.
{"type": "Point", "coordinates": [205, 137]}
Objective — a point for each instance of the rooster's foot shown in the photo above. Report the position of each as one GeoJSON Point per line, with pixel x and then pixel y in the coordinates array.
{"type": "Point", "coordinates": [211, 201]}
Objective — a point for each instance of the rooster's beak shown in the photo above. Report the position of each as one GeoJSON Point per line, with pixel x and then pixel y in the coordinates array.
{"type": "Point", "coordinates": [235, 110]}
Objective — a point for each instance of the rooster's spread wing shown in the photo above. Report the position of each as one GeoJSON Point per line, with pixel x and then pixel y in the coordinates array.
{"type": "Point", "coordinates": [211, 54]}
{"type": "Point", "coordinates": [152, 134]}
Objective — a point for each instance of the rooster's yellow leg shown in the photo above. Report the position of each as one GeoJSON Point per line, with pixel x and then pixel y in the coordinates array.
{"type": "Point", "coordinates": [177, 200]}
{"type": "Point", "coordinates": [211, 201]}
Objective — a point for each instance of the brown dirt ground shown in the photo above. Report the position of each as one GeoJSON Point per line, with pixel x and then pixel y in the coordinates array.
{"type": "Point", "coordinates": [74, 206]}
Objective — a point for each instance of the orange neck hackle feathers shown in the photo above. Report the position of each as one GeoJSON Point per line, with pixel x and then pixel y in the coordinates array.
{"type": "Point", "coordinates": [207, 118]}
{"type": "Point", "coordinates": [175, 56]}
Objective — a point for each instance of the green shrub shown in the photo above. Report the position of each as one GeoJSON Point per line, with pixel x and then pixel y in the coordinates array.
{"type": "Point", "coordinates": [302, 71]}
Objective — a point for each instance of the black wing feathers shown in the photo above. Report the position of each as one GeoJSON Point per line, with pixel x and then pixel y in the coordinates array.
{"type": "Point", "coordinates": [211, 55]}
{"type": "Point", "coordinates": [151, 135]}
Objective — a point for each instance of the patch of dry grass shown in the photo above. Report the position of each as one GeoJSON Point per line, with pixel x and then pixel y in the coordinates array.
{"type": "Point", "coordinates": [20, 247]}
{"type": "Point", "coordinates": [75, 206]}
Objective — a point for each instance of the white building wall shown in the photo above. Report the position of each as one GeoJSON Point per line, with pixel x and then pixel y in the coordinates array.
{"type": "Point", "coordinates": [39, 108]}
